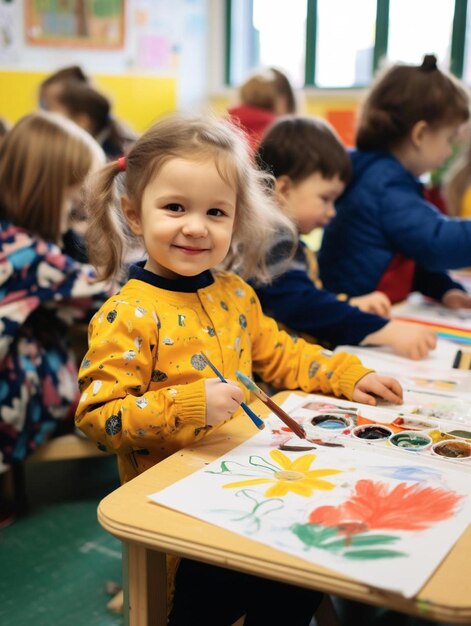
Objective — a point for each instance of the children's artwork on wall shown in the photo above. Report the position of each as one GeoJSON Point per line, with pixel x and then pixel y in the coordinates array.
{"type": "Point", "coordinates": [8, 36]}
{"type": "Point", "coordinates": [75, 23]}
{"type": "Point", "coordinates": [386, 519]}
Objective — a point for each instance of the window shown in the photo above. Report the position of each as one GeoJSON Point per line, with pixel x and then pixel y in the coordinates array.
{"type": "Point", "coordinates": [341, 43]}
{"type": "Point", "coordinates": [352, 62]}
{"type": "Point", "coordinates": [408, 42]}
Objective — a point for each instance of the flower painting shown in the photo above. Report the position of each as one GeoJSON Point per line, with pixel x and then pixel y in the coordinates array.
{"type": "Point", "coordinates": [295, 476]}
{"type": "Point", "coordinates": [384, 519]}
{"type": "Point", "coordinates": [352, 527]}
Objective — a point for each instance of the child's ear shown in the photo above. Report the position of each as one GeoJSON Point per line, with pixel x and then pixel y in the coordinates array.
{"type": "Point", "coordinates": [132, 216]}
{"type": "Point", "coordinates": [418, 132]}
{"type": "Point", "coordinates": [283, 186]}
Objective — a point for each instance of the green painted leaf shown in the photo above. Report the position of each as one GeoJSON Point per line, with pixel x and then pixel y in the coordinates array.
{"type": "Point", "coordinates": [372, 554]}
{"type": "Point", "coordinates": [360, 540]}
{"type": "Point", "coordinates": [313, 535]}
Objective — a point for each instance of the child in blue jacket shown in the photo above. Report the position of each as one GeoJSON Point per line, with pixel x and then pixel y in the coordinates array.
{"type": "Point", "coordinates": [311, 168]}
{"type": "Point", "coordinates": [385, 235]}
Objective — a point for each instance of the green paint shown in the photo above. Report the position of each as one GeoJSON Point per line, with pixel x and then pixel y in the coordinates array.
{"type": "Point", "coordinates": [361, 540]}
{"type": "Point", "coordinates": [361, 555]}
{"type": "Point", "coordinates": [465, 434]}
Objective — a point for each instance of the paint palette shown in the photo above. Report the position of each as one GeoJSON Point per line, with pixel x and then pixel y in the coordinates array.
{"type": "Point", "coordinates": [335, 423]}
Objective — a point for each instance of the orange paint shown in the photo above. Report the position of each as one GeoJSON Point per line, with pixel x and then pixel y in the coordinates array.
{"type": "Point", "coordinates": [375, 506]}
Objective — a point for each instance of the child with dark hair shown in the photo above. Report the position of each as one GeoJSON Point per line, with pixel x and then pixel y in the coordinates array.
{"type": "Point", "coordinates": [311, 169]}
{"type": "Point", "coordinates": [385, 235]}
{"type": "Point", "coordinates": [91, 110]}
{"type": "Point", "coordinates": [52, 85]}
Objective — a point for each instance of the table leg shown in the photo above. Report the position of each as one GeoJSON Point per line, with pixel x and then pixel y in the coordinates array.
{"type": "Point", "coordinates": [145, 586]}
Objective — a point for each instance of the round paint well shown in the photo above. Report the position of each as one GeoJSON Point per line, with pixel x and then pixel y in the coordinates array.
{"type": "Point", "coordinates": [459, 433]}
{"type": "Point", "coordinates": [327, 425]}
{"type": "Point", "coordinates": [452, 449]}
{"type": "Point", "coordinates": [372, 432]}
{"type": "Point", "coordinates": [331, 421]}
{"type": "Point", "coordinates": [412, 440]}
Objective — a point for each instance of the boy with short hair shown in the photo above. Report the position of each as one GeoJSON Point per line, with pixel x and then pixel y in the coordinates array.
{"type": "Point", "coordinates": [311, 169]}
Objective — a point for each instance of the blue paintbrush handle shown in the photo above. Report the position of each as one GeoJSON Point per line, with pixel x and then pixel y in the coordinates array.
{"type": "Point", "coordinates": [255, 418]}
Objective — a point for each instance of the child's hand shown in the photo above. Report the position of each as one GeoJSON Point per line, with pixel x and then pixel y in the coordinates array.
{"type": "Point", "coordinates": [457, 299]}
{"type": "Point", "coordinates": [222, 400]}
{"type": "Point", "coordinates": [413, 341]}
{"type": "Point", "coordinates": [375, 302]}
{"type": "Point", "coordinates": [374, 386]}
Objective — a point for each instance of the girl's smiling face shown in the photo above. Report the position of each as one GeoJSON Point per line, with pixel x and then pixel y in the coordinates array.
{"type": "Point", "coordinates": [186, 217]}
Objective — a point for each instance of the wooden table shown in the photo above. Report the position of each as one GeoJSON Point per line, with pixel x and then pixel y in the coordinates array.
{"type": "Point", "coordinates": [148, 531]}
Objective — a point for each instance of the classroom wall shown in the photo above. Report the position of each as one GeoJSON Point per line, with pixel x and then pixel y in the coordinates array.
{"type": "Point", "coordinates": [171, 59]}
{"type": "Point", "coordinates": [338, 107]}
{"type": "Point", "coordinates": [161, 66]}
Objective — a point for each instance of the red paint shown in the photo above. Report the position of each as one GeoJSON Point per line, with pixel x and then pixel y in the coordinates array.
{"type": "Point", "coordinates": [375, 505]}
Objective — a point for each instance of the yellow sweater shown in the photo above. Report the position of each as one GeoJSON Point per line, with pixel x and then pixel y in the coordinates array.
{"type": "Point", "coordinates": [465, 211]}
{"type": "Point", "coordinates": [142, 379]}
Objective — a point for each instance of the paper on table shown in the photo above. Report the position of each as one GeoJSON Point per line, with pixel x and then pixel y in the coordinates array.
{"type": "Point", "coordinates": [383, 521]}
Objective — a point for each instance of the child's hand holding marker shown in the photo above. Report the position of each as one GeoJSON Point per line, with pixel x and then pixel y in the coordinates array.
{"type": "Point", "coordinates": [374, 386]}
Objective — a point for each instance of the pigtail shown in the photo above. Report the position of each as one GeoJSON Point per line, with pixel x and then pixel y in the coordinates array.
{"type": "Point", "coordinates": [107, 232]}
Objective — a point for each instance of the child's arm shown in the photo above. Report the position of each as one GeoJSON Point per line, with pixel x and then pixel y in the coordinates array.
{"type": "Point", "coordinates": [41, 275]}
{"type": "Point", "coordinates": [290, 364]}
{"type": "Point", "coordinates": [457, 299]}
{"type": "Point", "coordinates": [296, 302]}
{"type": "Point", "coordinates": [419, 231]}
{"type": "Point", "coordinates": [126, 405]}
{"type": "Point", "coordinates": [407, 339]}
{"type": "Point", "coordinates": [376, 302]}
{"type": "Point", "coordinates": [439, 286]}
{"type": "Point", "coordinates": [373, 386]}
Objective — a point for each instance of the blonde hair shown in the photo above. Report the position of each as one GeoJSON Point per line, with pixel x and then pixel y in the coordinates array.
{"type": "Point", "coordinates": [41, 157]}
{"type": "Point", "coordinates": [178, 136]}
{"type": "Point", "coordinates": [260, 90]}
{"type": "Point", "coordinates": [456, 181]}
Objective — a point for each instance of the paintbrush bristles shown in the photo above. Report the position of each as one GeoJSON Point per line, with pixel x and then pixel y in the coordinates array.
{"type": "Point", "coordinates": [284, 417]}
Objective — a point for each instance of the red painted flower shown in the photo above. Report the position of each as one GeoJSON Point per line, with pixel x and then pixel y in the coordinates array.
{"type": "Point", "coordinates": [375, 505]}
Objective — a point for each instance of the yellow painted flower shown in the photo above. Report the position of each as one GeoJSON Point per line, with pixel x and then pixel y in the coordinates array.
{"type": "Point", "coordinates": [292, 476]}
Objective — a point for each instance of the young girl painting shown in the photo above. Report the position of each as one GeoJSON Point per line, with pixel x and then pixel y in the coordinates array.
{"type": "Point", "coordinates": [193, 195]}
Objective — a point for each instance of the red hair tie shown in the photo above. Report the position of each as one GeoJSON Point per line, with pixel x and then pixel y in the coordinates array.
{"type": "Point", "coordinates": [122, 164]}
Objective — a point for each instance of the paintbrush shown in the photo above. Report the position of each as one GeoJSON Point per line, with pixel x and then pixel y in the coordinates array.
{"type": "Point", "coordinates": [255, 418]}
{"type": "Point", "coordinates": [261, 395]}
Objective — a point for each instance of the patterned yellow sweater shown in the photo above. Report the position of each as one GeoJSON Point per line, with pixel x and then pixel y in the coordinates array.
{"type": "Point", "coordinates": [142, 379]}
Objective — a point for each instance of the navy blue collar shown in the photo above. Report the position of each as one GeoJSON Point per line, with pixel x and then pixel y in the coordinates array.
{"type": "Point", "coordinates": [185, 284]}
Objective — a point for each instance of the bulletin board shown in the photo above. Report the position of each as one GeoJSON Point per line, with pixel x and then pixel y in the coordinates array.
{"type": "Point", "coordinates": [75, 23]}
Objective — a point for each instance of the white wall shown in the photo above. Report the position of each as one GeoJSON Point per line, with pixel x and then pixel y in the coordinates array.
{"type": "Point", "coordinates": [162, 38]}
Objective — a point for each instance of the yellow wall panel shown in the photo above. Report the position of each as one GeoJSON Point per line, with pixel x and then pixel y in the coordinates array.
{"type": "Point", "coordinates": [136, 100]}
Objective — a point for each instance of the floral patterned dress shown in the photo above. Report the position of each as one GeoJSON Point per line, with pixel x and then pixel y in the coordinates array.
{"type": "Point", "coordinates": [42, 293]}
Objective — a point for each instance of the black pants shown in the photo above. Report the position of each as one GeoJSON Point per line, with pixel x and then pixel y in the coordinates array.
{"type": "Point", "coordinates": [206, 595]}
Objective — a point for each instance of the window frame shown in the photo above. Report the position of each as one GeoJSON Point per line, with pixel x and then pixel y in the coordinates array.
{"type": "Point", "coordinates": [457, 50]}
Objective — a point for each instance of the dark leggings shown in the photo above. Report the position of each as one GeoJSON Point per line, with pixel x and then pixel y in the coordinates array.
{"type": "Point", "coordinates": [206, 595]}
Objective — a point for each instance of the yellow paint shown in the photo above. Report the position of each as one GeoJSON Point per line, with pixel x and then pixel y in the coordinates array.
{"type": "Point", "coordinates": [136, 100]}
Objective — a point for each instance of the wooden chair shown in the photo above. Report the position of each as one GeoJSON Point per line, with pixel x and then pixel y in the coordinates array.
{"type": "Point", "coordinates": [62, 448]}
